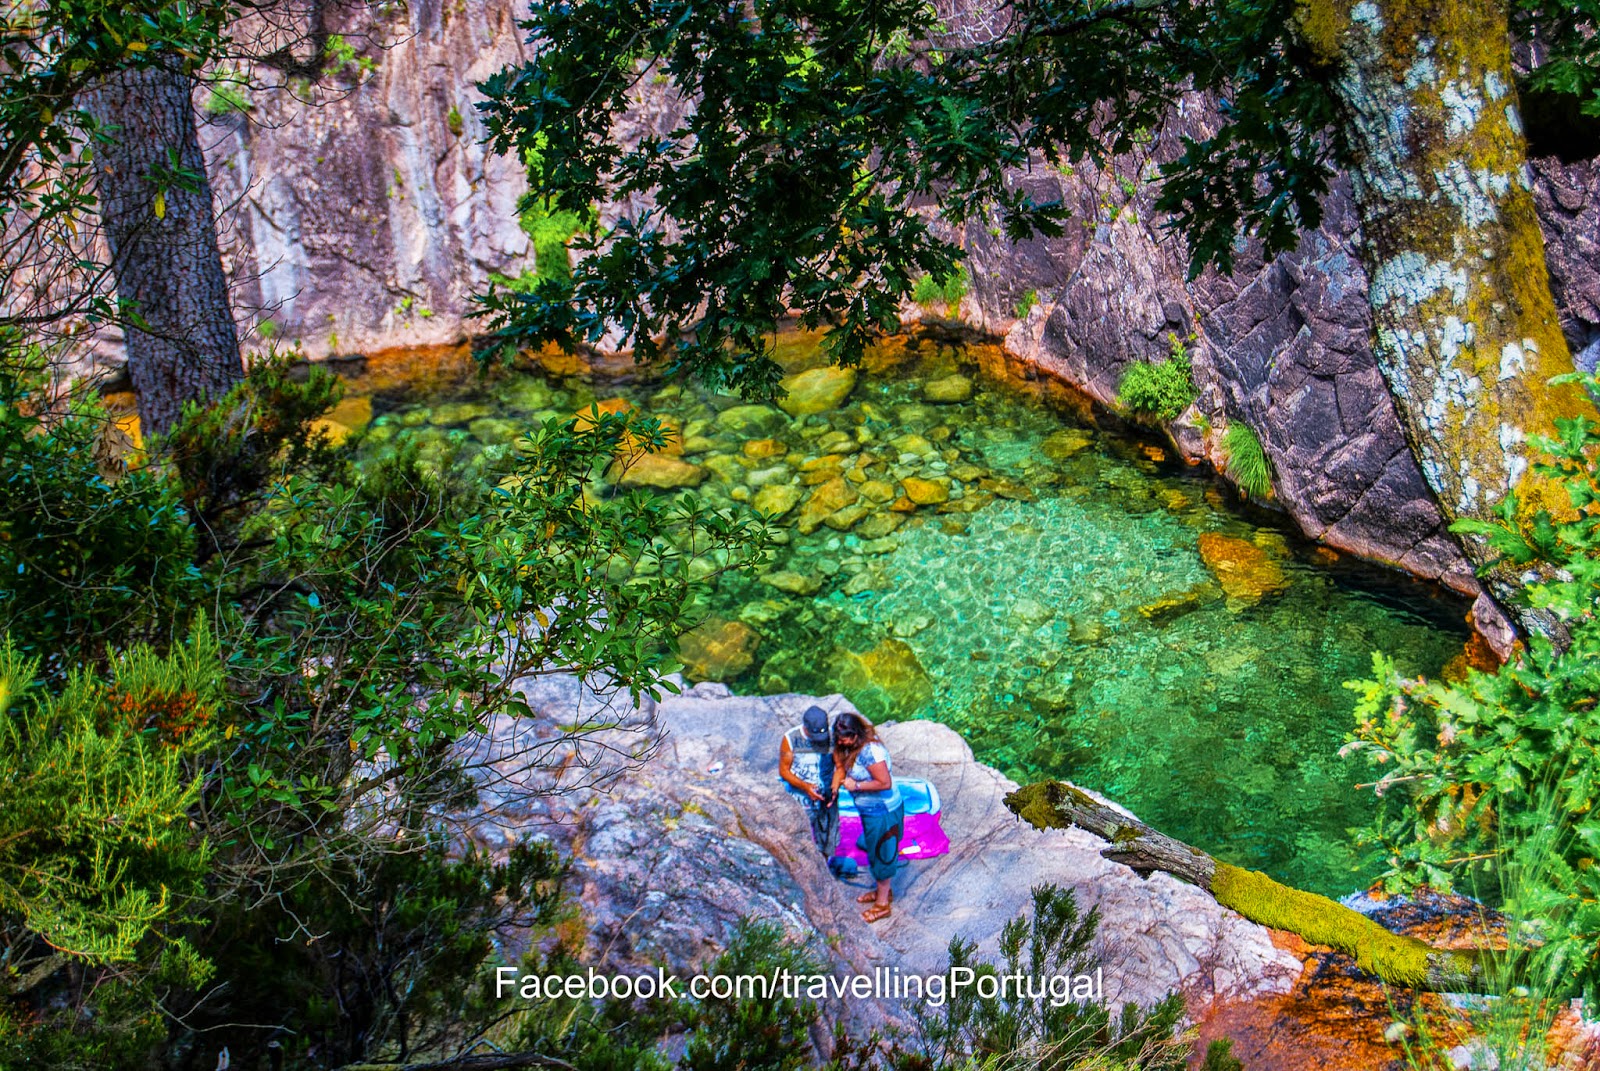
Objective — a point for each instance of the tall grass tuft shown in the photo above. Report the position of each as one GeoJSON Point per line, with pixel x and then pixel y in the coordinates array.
{"type": "Point", "coordinates": [1247, 462]}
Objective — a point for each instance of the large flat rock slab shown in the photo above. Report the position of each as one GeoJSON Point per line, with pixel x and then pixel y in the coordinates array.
{"type": "Point", "coordinates": [678, 827]}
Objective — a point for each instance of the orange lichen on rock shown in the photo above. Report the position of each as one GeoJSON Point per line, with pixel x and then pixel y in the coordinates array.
{"type": "Point", "coordinates": [1244, 570]}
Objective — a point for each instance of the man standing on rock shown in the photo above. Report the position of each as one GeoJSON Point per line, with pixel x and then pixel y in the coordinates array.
{"type": "Point", "coordinates": [805, 762]}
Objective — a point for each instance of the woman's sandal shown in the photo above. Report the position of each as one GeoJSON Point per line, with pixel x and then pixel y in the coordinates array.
{"type": "Point", "coordinates": [876, 912]}
{"type": "Point", "coordinates": [871, 896]}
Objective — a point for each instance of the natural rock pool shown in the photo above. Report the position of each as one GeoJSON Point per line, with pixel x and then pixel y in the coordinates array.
{"type": "Point", "coordinates": [961, 544]}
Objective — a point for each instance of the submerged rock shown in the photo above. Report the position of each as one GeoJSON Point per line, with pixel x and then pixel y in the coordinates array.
{"type": "Point", "coordinates": [750, 419]}
{"type": "Point", "coordinates": [763, 448]}
{"type": "Point", "coordinates": [879, 525]}
{"type": "Point", "coordinates": [1244, 570]}
{"type": "Point", "coordinates": [834, 494]}
{"type": "Point", "coordinates": [661, 471]}
{"type": "Point", "coordinates": [887, 680]}
{"type": "Point", "coordinates": [774, 501]}
{"type": "Point", "coordinates": [793, 583]}
{"type": "Point", "coordinates": [718, 650]}
{"type": "Point", "coordinates": [1063, 444]}
{"type": "Point", "coordinates": [954, 388]}
{"type": "Point", "coordinates": [816, 390]}
{"type": "Point", "coordinates": [449, 414]}
{"type": "Point", "coordinates": [1170, 607]}
{"type": "Point", "coordinates": [925, 492]}
{"type": "Point", "coordinates": [842, 520]}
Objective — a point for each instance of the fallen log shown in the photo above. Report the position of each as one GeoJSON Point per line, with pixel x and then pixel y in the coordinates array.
{"type": "Point", "coordinates": [1393, 958]}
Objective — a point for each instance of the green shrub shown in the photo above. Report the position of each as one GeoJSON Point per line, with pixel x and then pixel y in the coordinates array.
{"type": "Point", "coordinates": [1247, 462]}
{"type": "Point", "coordinates": [1220, 1057]}
{"type": "Point", "coordinates": [1026, 304]}
{"type": "Point", "coordinates": [1028, 1033]}
{"type": "Point", "coordinates": [365, 618]}
{"type": "Point", "coordinates": [1488, 785]}
{"type": "Point", "coordinates": [1161, 390]}
{"type": "Point", "coordinates": [947, 291]}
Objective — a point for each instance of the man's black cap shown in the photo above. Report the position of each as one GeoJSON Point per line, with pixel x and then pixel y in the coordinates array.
{"type": "Point", "coordinates": [815, 725]}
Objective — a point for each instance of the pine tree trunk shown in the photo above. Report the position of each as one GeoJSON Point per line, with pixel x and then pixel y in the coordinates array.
{"type": "Point", "coordinates": [155, 205]}
{"type": "Point", "coordinates": [1466, 329]}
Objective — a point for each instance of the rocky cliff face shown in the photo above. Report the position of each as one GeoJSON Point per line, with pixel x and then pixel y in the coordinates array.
{"type": "Point", "coordinates": [367, 222]}
{"type": "Point", "coordinates": [365, 215]}
{"type": "Point", "coordinates": [1283, 345]}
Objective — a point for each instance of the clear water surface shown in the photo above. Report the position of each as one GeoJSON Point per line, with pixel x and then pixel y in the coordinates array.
{"type": "Point", "coordinates": [1081, 606]}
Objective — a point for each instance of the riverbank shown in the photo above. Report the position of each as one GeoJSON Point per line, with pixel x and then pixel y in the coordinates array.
{"type": "Point", "coordinates": [670, 853]}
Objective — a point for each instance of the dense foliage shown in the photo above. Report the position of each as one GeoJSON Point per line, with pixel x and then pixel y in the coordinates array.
{"type": "Point", "coordinates": [1161, 389]}
{"type": "Point", "coordinates": [1489, 785]}
{"type": "Point", "coordinates": [819, 131]}
{"type": "Point", "coordinates": [258, 658]}
{"type": "Point", "coordinates": [1007, 1032]}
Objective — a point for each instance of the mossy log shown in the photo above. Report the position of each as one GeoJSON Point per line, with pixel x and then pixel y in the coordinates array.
{"type": "Point", "coordinates": [1394, 958]}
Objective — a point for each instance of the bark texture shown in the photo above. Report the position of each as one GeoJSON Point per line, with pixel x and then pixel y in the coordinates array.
{"type": "Point", "coordinates": [156, 208]}
{"type": "Point", "coordinates": [1466, 331]}
{"type": "Point", "coordinates": [1392, 957]}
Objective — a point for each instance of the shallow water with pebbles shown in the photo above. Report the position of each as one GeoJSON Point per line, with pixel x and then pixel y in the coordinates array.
{"type": "Point", "coordinates": [962, 544]}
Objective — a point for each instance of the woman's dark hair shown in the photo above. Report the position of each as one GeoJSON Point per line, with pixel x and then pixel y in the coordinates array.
{"type": "Point", "coordinates": [850, 723]}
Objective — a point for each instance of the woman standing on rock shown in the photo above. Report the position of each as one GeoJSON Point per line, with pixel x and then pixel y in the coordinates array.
{"type": "Point", "coordinates": [861, 767]}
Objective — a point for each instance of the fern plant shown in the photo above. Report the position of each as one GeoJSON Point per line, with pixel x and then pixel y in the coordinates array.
{"type": "Point", "coordinates": [1161, 390]}
{"type": "Point", "coordinates": [1247, 465]}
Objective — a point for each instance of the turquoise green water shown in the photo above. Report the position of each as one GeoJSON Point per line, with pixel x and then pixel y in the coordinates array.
{"type": "Point", "coordinates": [1058, 609]}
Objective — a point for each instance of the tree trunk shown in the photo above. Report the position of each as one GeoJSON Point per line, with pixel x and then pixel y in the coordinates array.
{"type": "Point", "coordinates": [1466, 329]}
{"type": "Point", "coordinates": [155, 205]}
{"type": "Point", "coordinates": [1395, 959]}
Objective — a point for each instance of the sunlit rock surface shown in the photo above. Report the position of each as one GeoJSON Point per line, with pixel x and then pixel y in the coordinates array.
{"type": "Point", "coordinates": [670, 854]}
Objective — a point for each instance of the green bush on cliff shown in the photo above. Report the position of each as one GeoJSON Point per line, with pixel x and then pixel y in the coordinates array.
{"type": "Point", "coordinates": [947, 291]}
{"type": "Point", "coordinates": [1487, 785]}
{"type": "Point", "coordinates": [1162, 390]}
